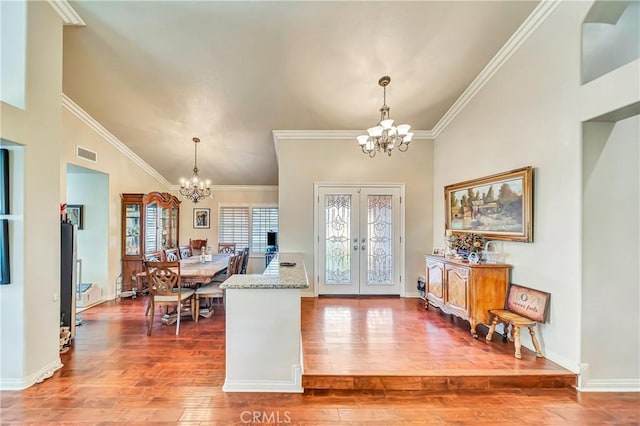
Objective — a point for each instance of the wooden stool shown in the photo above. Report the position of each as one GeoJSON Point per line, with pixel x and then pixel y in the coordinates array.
{"type": "Point", "coordinates": [524, 307]}
{"type": "Point", "coordinates": [516, 321]}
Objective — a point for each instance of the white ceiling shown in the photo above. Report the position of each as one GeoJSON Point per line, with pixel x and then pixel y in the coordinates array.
{"type": "Point", "coordinates": [157, 73]}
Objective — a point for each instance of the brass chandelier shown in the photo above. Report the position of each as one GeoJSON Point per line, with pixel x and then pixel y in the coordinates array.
{"type": "Point", "coordinates": [195, 189]}
{"type": "Point", "coordinates": [385, 136]}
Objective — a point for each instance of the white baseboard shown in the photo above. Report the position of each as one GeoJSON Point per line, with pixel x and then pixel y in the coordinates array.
{"type": "Point", "coordinates": [283, 386]}
{"type": "Point", "coordinates": [560, 360]}
{"type": "Point", "coordinates": [84, 308]}
{"type": "Point", "coordinates": [25, 382]}
{"type": "Point", "coordinates": [586, 384]}
{"type": "Point", "coordinates": [611, 385]}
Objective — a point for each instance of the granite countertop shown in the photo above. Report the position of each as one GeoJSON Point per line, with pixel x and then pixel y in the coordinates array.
{"type": "Point", "coordinates": [275, 276]}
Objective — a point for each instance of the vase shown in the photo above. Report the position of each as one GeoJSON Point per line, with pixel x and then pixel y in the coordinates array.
{"type": "Point", "coordinates": [463, 253]}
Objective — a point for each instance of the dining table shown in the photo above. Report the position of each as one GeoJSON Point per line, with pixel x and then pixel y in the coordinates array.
{"type": "Point", "coordinates": [195, 272]}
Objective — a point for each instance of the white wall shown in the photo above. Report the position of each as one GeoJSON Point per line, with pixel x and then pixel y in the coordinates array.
{"type": "Point", "coordinates": [12, 362]}
{"type": "Point", "coordinates": [304, 162]}
{"type": "Point", "coordinates": [606, 46]}
{"type": "Point", "coordinates": [91, 190]}
{"type": "Point", "coordinates": [530, 113]}
{"type": "Point", "coordinates": [30, 308]}
{"type": "Point", "coordinates": [527, 115]}
{"type": "Point", "coordinates": [611, 274]}
{"type": "Point", "coordinates": [13, 22]}
{"type": "Point", "coordinates": [124, 175]}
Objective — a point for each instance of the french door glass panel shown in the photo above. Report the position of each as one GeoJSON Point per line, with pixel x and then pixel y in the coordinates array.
{"type": "Point", "coordinates": [338, 228]}
{"type": "Point", "coordinates": [379, 239]}
{"type": "Point", "coordinates": [359, 240]}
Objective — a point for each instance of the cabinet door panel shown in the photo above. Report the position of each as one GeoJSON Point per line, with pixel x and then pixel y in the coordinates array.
{"type": "Point", "coordinates": [435, 279]}
{"type": "Point", "coordinates": [457, 280]}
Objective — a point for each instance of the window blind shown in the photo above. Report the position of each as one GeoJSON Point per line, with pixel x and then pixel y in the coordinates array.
{"type": "Point", "coordinates": [151, 241]}
{"type": "Point", "coordinates": [234, 226]}
{"type": "Point", "coordinates": [263, 219]}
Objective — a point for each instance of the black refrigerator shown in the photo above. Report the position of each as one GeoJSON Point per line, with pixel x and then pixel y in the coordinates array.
{"type": "Point", "coordinates": [68, 277]}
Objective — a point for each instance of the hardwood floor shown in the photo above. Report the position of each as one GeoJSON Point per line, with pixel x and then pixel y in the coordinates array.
{"type": "Point", "coordinates": [116, 374]}
{"type": "Point", "coordinates": [394, 343]}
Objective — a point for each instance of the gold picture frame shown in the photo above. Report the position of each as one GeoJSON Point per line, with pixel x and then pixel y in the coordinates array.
{"type": "Point", "coordinates": [499, 207]}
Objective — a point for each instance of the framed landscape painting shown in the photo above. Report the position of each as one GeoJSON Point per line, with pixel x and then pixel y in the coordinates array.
{"type": "Point", "coordinates": [499, 207]}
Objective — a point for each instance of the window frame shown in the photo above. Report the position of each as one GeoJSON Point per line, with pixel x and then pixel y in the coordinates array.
{"type": "Point", "coordinates": [250, 206]}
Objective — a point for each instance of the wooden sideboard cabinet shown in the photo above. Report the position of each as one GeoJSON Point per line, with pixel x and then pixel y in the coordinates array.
{"type": "Point", "coordinates": [150, 223]}
{"type": "Point", "coordinates": [465, 290]}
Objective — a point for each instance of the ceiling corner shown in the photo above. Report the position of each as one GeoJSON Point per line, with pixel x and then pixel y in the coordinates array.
{"type": "Point", "coordinates": [67, 13]}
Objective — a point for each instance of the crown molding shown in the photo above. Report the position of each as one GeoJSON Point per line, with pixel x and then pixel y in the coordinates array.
{"type": "Point", "coordinates": [279, 135]}
{"type": "Point", "coordinates": [335, 134]}
{"type": "Point", "coordinates": [110, 138]}
{"type": "Point", "coordinates": [236, 188]}
{"type": "Point", "coordinates": [528, 27]}
{"type": "Point", "coordinates": [67, 13]}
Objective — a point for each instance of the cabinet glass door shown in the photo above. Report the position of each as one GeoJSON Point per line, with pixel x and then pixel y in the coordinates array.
{"type": "Point", "coordinates": [132, 230]}
{"type": "Point", "coordinates": [163, 228]}
{"type": "Point", "coordinates": [151, 237]}
{"type": "Point", "coordinates": [174, 228]}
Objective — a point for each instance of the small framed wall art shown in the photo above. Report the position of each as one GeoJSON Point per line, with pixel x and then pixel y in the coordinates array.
{"type": "Point", "coordinates": [201, 218]}
{"type": "Point", "coordinates": [74, 214]}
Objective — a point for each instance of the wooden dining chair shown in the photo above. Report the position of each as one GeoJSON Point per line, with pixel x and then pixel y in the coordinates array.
{"type": "Point", "coordinates": [198, 245]}
{"type": "Point", "coordinates": [228, 248]}
{"type": "Point", "coordinates": [185, 252]}
{"type": "Point", "coordinates": [213, 290]}
{"type": "Point", "coordinates": [171, 255]}
{"type": "Point", "coordinates": [165, 288]}
{"type": "Point", "coordinates": [154, 256]}
{"type": "Point", "coordinates": [245, 261]}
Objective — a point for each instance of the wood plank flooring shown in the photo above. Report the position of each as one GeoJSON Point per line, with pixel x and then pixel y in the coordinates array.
{"type": "Point", "coordinates": [394, 343]}
{"type": "Point", "coordinates": [115, 374]}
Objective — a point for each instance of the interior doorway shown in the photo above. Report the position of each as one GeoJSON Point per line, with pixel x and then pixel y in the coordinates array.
{"type": "Point", "coordinates": [359, 249]}
{"type": "Point", "coordinates": [88, 192]}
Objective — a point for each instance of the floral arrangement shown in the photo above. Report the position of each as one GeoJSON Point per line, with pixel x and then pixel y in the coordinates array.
{"type": "Point", "coordinates": [472, 243]}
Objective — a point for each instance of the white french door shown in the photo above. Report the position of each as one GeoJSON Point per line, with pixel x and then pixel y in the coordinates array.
{"type": "Point", "coordinates": [358, 242]}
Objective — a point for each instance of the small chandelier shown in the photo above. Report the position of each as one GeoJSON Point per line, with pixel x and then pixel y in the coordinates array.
{"type": "Point", "coordinates": [385, 136]}
{"type": "Point", "coordinates": [195, 189]}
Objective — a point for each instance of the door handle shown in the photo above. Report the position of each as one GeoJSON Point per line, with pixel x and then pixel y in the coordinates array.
{"type": "Point", "coordinates": [355, 247]}
{"type": "Point", "coordinates": [364, 247]}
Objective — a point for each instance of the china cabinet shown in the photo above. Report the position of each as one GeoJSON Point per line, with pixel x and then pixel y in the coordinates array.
{"type": "Point", "coordinates": [149, 224]}
{"type": "Point", "coordinates": [465, 290]}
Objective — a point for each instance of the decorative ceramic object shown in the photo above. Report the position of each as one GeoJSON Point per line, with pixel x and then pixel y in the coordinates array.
{"type": "Point", "coordinates": [491, 252]}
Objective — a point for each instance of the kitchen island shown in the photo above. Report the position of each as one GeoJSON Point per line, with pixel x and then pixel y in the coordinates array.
{"type": "Point", "coordinates": [263, 340]}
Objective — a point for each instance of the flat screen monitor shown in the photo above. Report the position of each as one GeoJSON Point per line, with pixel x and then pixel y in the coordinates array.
{"type": "Point", "coordinates": [272, 238]}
